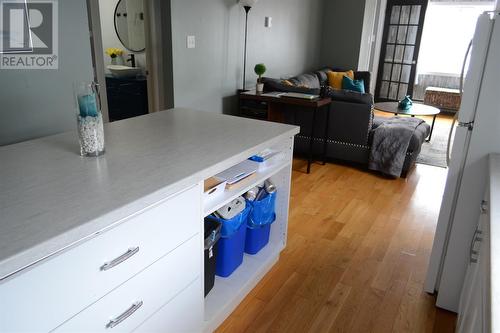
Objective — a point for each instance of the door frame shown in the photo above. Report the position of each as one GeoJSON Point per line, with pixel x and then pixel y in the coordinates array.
{"type": "Point", "coordinates": [154, 55]}
{"type": "Point", "coordinates": [97, 54]}
{"type": "Point", "coordinates": [384, 20]}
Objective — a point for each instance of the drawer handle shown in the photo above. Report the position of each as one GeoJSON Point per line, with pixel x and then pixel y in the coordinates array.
{"type": "Point", "coordinates": [116, 321]}
{"type": "Point", "coordinates": [120, 259]}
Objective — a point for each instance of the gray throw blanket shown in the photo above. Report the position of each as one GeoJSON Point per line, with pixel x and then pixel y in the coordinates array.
{"type": "Point", "coordinates": [390, 143]}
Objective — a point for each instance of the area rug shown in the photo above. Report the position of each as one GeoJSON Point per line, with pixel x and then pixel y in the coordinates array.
{"type": "Point", "coordinates": [434, 152]}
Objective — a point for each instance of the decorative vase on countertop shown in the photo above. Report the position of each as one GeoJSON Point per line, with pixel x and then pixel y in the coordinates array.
{"type": "Point", "coordinates": [89, 119]}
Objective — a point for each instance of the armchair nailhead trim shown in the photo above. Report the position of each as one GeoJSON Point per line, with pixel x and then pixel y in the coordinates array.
{"type": "Point", "coordinates": [303, 137]}
{"type": "Point", "coordinates": [335, 142]}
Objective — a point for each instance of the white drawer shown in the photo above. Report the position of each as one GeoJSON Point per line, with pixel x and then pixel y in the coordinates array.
{"type": "Point", "coordinates": [183, 314]}
{"type": "Point", "coordinates": [159, 284]}
{"type": "Point", "coordinates": [44, 297]}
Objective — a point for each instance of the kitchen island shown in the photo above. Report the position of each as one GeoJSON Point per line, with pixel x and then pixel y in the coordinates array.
{"type": "Point", "coordinates": [92, 243]}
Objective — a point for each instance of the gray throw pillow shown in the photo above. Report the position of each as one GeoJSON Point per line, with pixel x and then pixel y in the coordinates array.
{"type": "Point", "coordinates": [271, 84]}
{"type": "Point", "coordinates": [306, 80]}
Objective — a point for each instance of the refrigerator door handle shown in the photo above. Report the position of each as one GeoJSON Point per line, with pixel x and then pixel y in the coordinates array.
{"type": "Point", "coordinates": [468, 125]}
{"type": "Point", "coordinates": [455, 119]}
{"type": "Point", "coordinates": [464, 64]}
{"type": "Point", "coordinates": [450, 135]}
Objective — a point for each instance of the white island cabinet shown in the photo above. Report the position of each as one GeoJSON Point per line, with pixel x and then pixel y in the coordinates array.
{"type": "Point", "coordinates": [115, 243]}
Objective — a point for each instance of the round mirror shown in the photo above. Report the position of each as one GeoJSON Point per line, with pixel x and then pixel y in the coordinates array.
{"type": "Point", "coordinates": [129, 24]}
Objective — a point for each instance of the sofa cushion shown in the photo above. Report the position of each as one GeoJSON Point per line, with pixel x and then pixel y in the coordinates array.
{"type": "Point", "coordinates": [322, 75]}
{"type": "Point", "coordinates": [335, 78]}
{"type": "Point", "coordinates": [366, 77]}
{"type": "Point", "coordinates": [308, 80]}
{"type": "Point", "coordinates": [360, 75]}
{"type": "Point", "coordinates": [353, 85]}
{"type": "Point", "coordinates": [347, 96]}
{"type": "Point", "coordinates": [277, 85]}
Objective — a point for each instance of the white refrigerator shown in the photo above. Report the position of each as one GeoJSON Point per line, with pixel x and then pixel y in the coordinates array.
{"type": "Point", "coordinates": [476, 136]}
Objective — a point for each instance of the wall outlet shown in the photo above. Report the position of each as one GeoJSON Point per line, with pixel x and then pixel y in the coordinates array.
{"type": "Point", "coordinates": [191, 42]}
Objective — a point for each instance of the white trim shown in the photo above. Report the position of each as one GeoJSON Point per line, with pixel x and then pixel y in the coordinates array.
{"type": "Point", "coordinates": [153, 55]}
{"type": "Point", "coordinates": [97, 51]}
{"type": "Point", "coordinates": [377, 46]}
{"type": "Point", "coordinates": [153, 51]}
{"type": "Point", "coordinates": [368, 34]}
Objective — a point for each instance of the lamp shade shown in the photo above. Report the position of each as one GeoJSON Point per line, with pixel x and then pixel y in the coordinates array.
{"type": "Point", "coordinates": [248, 3]}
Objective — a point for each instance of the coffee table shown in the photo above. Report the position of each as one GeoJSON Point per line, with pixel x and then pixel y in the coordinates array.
{"type": "Point", "coordinates": [417, 109]}
{"type": "Point", "coordinates": [277, 107]}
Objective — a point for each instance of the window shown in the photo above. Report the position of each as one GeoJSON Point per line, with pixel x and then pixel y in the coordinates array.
{"type": "Point", "coordinates": [449, 27]}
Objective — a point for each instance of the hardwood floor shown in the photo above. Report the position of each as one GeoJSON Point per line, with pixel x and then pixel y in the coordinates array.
{"type": "Point", "coordinates": [356, 258]}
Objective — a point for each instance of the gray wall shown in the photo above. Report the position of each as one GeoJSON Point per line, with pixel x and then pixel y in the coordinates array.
{"type": "Point", "coordinates": [343, 27]}
{"type": "Point", "coordinates": [36, 103]}
{"type": "Point", "coordinates": [208, 76]}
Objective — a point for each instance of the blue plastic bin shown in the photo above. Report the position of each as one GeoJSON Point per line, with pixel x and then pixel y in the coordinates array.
{"type": "Point", "coordinates": [231, 244]}
{"type": "Point", "coordinates": [259, 223]}
{"type": "Point", "coordinates": [257, 239]}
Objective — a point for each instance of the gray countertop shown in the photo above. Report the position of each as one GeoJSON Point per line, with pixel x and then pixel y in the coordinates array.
{"type": "Point", "coordinates": [495, 241]}
{"type": "Point", "coordinates": [51, 198]}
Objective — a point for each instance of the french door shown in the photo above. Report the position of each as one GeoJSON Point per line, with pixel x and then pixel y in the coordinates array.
{"type": "Point", "coordinates": [404, 21]}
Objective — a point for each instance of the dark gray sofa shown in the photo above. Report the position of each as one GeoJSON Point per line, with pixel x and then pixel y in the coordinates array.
{"type": "Point", "coordinates": [351, 121]}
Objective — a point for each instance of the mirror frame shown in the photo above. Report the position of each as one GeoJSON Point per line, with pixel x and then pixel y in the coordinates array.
{"type": "Point", "coordinates": [118, 35]}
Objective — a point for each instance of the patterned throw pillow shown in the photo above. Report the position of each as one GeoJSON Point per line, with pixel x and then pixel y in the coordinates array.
{"type": "Point", "coordinates": [291, 84]}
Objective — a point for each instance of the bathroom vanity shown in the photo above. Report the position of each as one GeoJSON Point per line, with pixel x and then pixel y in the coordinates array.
{"type": "Point", "coordinates": [116, 242]}
{"type": "Point", "coordinates": [127, 97]}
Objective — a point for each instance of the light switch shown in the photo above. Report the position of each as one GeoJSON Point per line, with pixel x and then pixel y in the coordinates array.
{"type": "Point", "coordinates": [268, 22]}
{"type": "Point", "coordinates": [191, 42]}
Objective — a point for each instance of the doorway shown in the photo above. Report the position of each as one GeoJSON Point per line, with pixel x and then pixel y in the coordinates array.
{"type": "Point", "coordinates": [399, 49]}
{"type": "Point", "coordinates": [123, 36]}
{"type": "Point", "coordinates": [448, 29]}
{"type": "Point", "coordinates": [124, 28]}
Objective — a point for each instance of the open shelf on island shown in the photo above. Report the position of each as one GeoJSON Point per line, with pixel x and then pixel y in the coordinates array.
{"type": "Point", "coordinates": [211, 205]}
{"type": "Point", "coordinates": [229, 292]}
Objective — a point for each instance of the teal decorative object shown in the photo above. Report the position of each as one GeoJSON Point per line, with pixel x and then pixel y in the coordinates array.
{"type": "Point", "coordinates": [353, 85]}
{"type": "Point", "coordinates": [406, 103]}
{"type": "Point", "coordinates": [88, 105]}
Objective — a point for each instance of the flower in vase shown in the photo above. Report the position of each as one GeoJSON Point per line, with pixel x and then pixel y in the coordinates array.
{"type": "Point", "coordinates": [114, 52]}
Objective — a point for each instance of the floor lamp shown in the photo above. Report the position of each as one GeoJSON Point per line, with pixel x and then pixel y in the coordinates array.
{"type": "Point", "coordinates": [247, 5]}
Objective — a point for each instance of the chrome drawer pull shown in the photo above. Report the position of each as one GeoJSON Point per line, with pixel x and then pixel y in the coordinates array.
{"type": "Point", "coordinates": [114, 322]}
{"type": "Point", "coordinates": [120, 259]}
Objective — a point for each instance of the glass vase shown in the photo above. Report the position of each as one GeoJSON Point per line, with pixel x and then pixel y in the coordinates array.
{"type": "Point", "coordinates": [89, 119]}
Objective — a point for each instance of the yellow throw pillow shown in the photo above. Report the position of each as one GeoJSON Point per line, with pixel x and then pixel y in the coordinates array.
{"type": "Point", "coordinates": [287, 83]}
{"type": "Point", "coordinates": [335, 78]}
